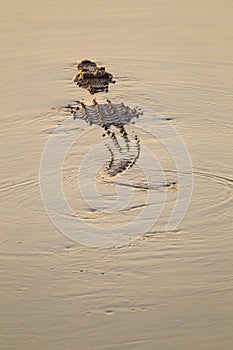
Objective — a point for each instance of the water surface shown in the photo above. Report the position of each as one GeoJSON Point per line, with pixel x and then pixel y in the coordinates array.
{"type": "Point", "coordinates": [167, 290]}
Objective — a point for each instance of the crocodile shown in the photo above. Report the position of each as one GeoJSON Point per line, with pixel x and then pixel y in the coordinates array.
{"type": "Point", "coordinates": [124, 149]}
{"type": "Point", "coordinates": [93, 78]}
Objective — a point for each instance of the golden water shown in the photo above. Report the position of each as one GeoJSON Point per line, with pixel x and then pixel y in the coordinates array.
{"type": "Point", "coordinates": [165, 290]}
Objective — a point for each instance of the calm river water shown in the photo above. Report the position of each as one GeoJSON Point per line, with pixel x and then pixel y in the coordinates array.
{"type": "Point", "coordinates": [167, 290]}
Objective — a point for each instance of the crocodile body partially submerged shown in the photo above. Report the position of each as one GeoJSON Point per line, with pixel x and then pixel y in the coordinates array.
{"type": "Point", "coordinates": [112, 117]}
{"type": "Point", "coordinates": [94, 79]}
